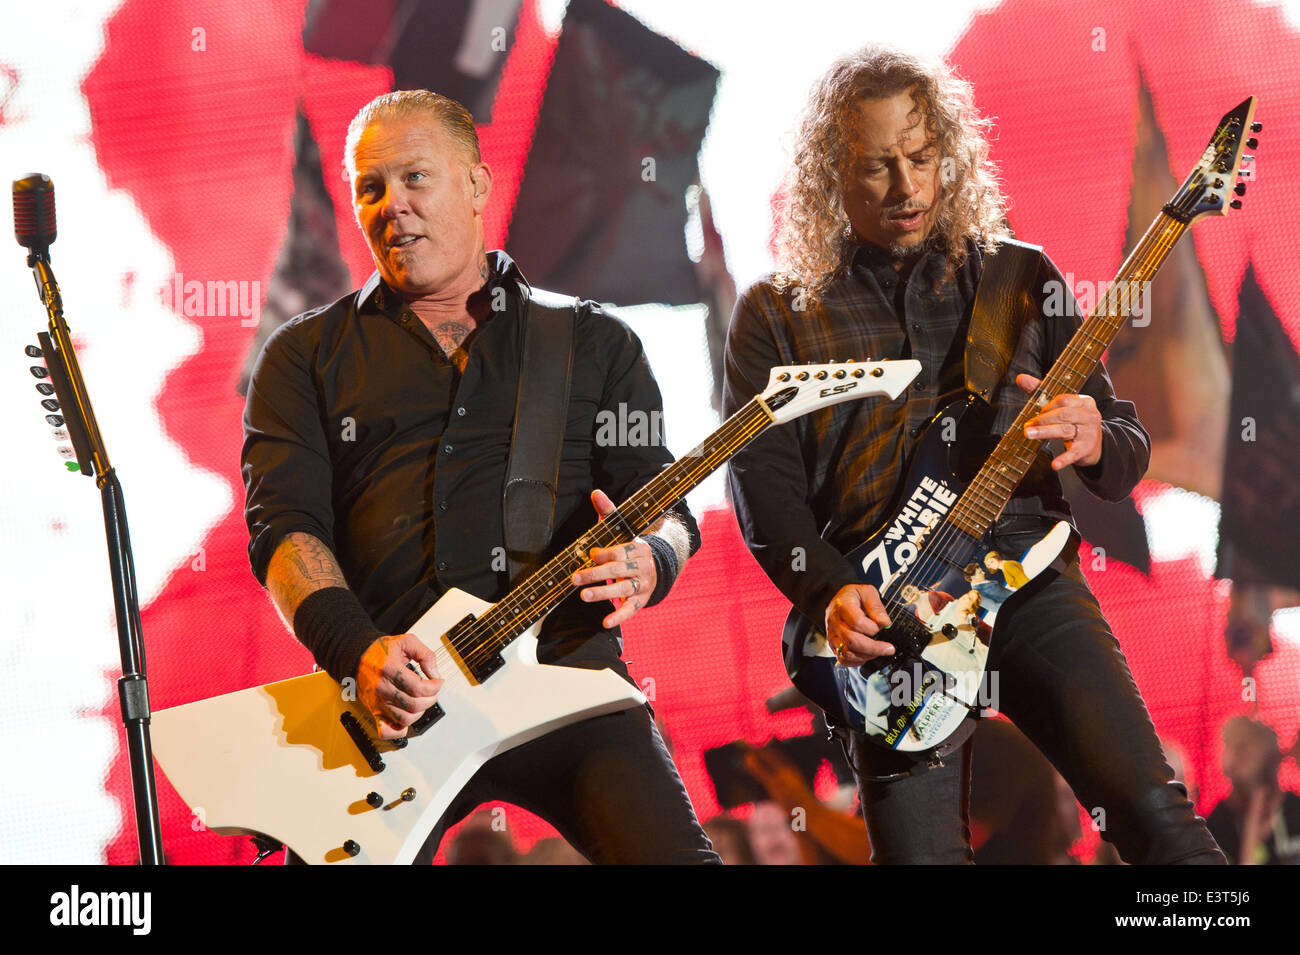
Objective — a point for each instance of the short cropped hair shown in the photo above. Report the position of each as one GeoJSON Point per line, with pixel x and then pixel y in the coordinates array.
{"type": "Point", "coordinates": [449, 115]}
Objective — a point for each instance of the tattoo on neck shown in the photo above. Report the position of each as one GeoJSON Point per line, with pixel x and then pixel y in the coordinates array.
{"type": "Point", "coordinates": [451, 337]}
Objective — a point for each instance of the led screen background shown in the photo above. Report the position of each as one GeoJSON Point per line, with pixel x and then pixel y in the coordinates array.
{"type": "Point", "coordinates": [168, 129]}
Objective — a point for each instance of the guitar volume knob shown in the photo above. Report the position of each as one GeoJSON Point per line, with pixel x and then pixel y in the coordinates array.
{"type": "Point", "coordinates": [351, 848]}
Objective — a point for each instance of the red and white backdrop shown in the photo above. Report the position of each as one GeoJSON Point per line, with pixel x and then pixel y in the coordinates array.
{"type": "Point", "coordinates": [174, 131]}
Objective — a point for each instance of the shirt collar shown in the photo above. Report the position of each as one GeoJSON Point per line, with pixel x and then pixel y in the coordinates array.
{"type": "Point", "coordinates": [378, 295]}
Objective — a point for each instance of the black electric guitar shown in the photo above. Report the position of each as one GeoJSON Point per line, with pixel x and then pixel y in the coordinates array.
{"type": "Point", "coordinates": [932, 562]}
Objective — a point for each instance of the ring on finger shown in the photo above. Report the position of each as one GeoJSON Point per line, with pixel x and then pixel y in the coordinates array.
{"type": "Point", "coordinates": [636, 586]}
{"type": "Point", "coordinates": [1074, 436]}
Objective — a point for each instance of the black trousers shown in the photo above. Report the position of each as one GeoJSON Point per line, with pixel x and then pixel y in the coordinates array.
{"type": "Point", "coordinates": [1062, 679]}
{"type": "Point", "coordinates": [606, 784]}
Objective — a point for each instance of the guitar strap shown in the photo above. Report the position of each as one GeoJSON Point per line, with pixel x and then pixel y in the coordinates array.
{"type": "Point", "coordinates": [541, 415]}
{"type": "Point", "coordinates": [1004, 299]}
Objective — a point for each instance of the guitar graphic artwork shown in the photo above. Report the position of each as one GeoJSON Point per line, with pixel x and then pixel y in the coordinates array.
{"type": "Point", "coordinates": [299, 762]}
{"type": "Point", "coordinates": [939, 577]}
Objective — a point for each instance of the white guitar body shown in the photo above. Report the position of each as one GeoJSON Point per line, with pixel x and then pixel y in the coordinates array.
{"type": "Point", "coordinates": [277, 761]}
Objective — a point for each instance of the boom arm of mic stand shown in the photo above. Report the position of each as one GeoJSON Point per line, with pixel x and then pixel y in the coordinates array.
{"type": "Point", "coordinates": [133, 687]}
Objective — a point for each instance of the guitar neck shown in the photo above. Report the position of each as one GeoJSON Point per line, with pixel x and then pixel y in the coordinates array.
{"type": "Point", "coordinates": [542, 590]}
{"type": "Point", "coordinates": [986, 496]}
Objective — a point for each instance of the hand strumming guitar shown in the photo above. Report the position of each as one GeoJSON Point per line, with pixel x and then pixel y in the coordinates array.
{"type": "Point", "coordinates": [394, 693]}
{"type": "Point", "coordinates": [855, 615]}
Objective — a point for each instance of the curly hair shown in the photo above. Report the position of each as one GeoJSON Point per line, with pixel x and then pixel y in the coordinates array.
{"type": "Point", "coordinates": [813, 228]}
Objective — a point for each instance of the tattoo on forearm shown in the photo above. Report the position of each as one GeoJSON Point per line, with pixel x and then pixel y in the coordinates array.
{"type": "Point", "coordinates": [300, 566]}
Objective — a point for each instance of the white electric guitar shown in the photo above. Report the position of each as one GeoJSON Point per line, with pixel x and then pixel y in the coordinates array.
{"type": "Point", "coordinates": [299, 762]}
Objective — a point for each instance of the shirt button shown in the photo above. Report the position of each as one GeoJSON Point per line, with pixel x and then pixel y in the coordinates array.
{"type": "Point", "coordinates": [919, 386]}
{"type": "Point", "coordinates": [914, 431]}
{"type": "Point", "coordinates": [461, 412]}
{"type": "Point", "coordinates": [442, 565]}
{"type": "Point", "coordinates": [916, 326]}
{"type": "Point", "coordinates": [442, 505]}
{"type": "Point", "coordinates": [446, 449]}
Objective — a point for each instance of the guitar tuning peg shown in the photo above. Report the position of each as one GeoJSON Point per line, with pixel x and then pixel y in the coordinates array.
{"type": "Point", "coordinates": [1256, 127]}
{"type": "Point", "coordinates": [1235, 203]}
{"type": "Point", "coordinates": [32, 351]}
{"type": "Point", "coordinates": [1252, 143]}
{"type": "Point", "coordinates": [1240, 189]}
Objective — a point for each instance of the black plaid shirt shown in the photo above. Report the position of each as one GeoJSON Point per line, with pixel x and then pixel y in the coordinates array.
{"type": "Point", "coordinates": [809, 491]}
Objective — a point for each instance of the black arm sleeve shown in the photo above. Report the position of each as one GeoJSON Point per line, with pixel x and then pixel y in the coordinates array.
{"type": "Point", "coordinates": [768, 479]}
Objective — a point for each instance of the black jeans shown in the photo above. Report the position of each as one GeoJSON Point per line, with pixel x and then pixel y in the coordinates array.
{"type": "Point", "coordinates": [1062, 679]}
{"type": "Point", "coordinates": [606, 784]}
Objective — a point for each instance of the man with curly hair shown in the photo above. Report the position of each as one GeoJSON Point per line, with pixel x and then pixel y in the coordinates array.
{"type": "Point", "coordinates": [893, 208]}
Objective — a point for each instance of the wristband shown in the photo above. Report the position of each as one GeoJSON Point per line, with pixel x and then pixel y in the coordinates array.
{"type": "Point", "coordinates": [333, 625]}
{"type": "Point", "coordinates": [665, 567]}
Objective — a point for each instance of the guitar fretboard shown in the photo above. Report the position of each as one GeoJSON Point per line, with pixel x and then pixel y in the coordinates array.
{"type": "Point", "coordinates": [541, 591]}
{"type": "Point", "coordinates": [986, 496]}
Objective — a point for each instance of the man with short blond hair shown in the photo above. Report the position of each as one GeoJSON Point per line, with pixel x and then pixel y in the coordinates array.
{"type": "Point", "coordinates": [377, 434]}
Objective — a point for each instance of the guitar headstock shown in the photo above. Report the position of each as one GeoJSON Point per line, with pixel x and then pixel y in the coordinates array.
{"type": "Point", "coordinates": [794, 390]}
{"type": "Point", "coordinates": [1223, 169]}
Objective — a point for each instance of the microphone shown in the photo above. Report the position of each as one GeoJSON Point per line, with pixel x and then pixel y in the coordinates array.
{"type": "Point", "coordinates": [34, 224]}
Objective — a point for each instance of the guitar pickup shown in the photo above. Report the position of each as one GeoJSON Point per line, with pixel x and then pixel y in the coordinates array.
{"type": "Point", "coordinates": [480, 661]}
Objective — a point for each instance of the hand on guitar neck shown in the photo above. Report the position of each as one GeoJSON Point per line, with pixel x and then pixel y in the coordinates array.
{"type": "Point", "coordinates": [1072, 418]}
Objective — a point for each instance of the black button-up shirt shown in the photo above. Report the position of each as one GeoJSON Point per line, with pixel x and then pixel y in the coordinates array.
{"type": "Point", "coordinates": [361, 432]}
{"type": "Point", "coordinates": [822, 484]}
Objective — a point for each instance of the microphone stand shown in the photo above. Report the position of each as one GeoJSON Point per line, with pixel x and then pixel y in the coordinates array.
{"type": "Point", "coordinates": [92, 458]}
